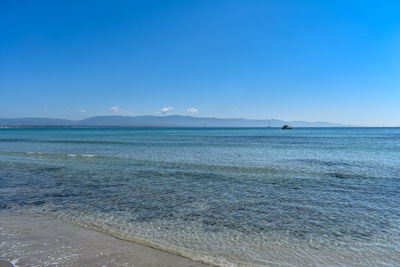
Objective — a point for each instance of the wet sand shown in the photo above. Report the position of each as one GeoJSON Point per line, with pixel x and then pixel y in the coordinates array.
{"type": "Point", "coordinates": [36, 240]}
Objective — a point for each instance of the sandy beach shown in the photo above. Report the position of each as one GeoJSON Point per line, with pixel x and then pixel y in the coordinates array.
{"type": "Point", "coordinates": [36, 240]}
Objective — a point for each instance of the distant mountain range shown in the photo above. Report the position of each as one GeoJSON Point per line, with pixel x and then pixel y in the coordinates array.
{"type": "Point", "coordinates": [160, 121]}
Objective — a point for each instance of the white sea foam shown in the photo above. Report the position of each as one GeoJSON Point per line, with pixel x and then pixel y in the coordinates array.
{"type": "Point", "coordinates": [88, 155]}
{"type": "Point", "coordinates": [55, 155]}
{"type": "Point", "coordinates": [34, 153]}
{"type": "Point", "coordinates": [14, 262]}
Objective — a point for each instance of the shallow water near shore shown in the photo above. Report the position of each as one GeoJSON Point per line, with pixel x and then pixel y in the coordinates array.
{"type": "Point", "coordinates": [320, 196]}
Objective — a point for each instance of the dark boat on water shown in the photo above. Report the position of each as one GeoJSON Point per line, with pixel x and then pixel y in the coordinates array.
{"type": "Point", "coordinates": [286, 127]}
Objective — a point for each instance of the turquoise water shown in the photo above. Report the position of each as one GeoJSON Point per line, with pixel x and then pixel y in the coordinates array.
{"type": "Point", "coordinates": [321, 196]}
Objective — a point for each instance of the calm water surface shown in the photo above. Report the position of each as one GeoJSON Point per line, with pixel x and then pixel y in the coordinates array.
{"type": "Point", "coordinates": [322, 196]}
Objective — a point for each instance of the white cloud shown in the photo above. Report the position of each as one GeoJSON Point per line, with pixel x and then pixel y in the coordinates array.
{"type": "Point", "coordinates": [118, 109]}
{"type": "Point", "coordinates": [115, 109]}
{"type": "Point", "coordinates": [193, 111]}
{"type": "Point", "coordinates": [164, 111]}
{"type": "Point", "coordinates": [83, 110]}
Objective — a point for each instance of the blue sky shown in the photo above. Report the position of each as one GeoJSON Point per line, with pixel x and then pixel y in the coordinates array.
{"type": "Point", "coordinates": [336, 61]}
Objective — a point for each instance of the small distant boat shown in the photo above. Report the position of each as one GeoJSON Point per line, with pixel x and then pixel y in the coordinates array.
{"type": "Point", "coordinates": [286, 127]}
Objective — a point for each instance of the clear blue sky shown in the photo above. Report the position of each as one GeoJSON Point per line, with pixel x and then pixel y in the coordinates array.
{"type": "Point", "coordinates": [336, 61]}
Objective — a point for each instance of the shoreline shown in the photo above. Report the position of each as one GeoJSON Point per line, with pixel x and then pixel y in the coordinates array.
{"type": "Point", "coordinates": [35, 239]}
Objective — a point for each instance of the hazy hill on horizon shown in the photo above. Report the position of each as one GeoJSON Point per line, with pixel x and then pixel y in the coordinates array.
{"type": "Point", "coordinates": [161, 121]}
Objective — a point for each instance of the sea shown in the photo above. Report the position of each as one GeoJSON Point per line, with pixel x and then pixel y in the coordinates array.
{"type": "Point", "coordinates": [223, 196]}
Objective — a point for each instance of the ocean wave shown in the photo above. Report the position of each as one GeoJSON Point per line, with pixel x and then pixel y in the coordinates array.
{"type": "Point", "coordinates": [82, 155]}
{"type": "Point", "coordinates": [54, 155]}
{"type": "Point", "coordinates": [67, 141]}
{"type": "Point", "coordinates": [332, 169]}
